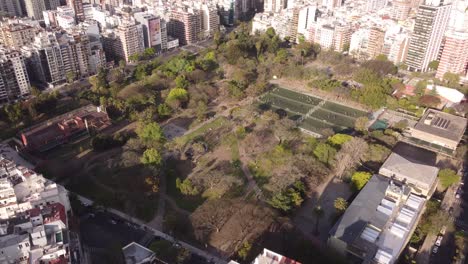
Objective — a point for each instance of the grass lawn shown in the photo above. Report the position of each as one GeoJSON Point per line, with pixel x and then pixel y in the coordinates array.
{"type": "Point", "coordinates": [217, 123]}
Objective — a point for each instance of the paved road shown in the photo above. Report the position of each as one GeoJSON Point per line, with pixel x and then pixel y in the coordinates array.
{"type": "Point", "coordinates": [460, 218]}
{"type": "Point", "coordinates": [126, 218]}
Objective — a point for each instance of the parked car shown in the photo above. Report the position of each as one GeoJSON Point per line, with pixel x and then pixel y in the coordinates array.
{"type": "Point", "coordinates": [439, 241]}
{"type": "Point", "coordinates": [435, 249]}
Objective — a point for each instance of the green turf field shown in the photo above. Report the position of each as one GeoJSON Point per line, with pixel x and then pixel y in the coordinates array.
{"type": "Point", "coordinates": [321, 116]}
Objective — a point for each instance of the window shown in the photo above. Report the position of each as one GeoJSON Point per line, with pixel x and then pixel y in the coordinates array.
{"type": "Point", "coordinates": [27, 244]}
{"type": "Point", "coordinates": [20, 246]}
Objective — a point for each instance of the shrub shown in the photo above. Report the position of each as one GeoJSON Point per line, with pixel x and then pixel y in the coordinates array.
{"type": "Point", "coordinates": [359, 179]}
{"type": "Point", "coordinates": [447, 177]}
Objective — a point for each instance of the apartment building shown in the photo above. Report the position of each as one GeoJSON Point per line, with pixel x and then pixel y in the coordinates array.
{"type": "Point", "coordinates": [77, 6]}
{"type": "Point", "coordinates": [454, 56]}
{"type": "Point", "coordinates": [401, 9]}
{"type": "Point", "coordinates": [11, 7]}
{"type": "Point", "coordinates": [14, 80]}
{"type": "Point", "coordinates": [33, 213]}
{"type": "Point", "coordinates": [185, 24]}
{"type": "Point", "coordinates": [429, 29]}
{"type": "Point", "coordinates": [129, 40]}
{"type": "Point", "coordinates": [152, 30]}
{"type": "Point", "coordinates": [376, 42]}
{"type": "Point", "coordinates": [15, 34]}
{"type": "Point", "coordinates": [34, 8]}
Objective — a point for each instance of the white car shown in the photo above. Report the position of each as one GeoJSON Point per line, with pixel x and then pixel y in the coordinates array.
{"type": "Point", "coordinates": [439, 241]}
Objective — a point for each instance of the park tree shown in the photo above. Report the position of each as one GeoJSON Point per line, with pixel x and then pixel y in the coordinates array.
{"type": "Point", "coordinates": [14, 112]}
{"type": "Point", "coordinates": [150, 134]}
{"type": "Point", "coordinates": [176, 97]}
{"type": "Point", "coordinates": [186, 187]}
{"type": "Point", "coordinates": [433, 65]}
{"type": "Point", "coordinates": [182, 82]}
{"type": "Point", "coordinates": [218, 38]}
{"type": "Point", "coordinates": [420, 88]}
{"type": "Point", "coordinates": [325, 153]}
{"type": "Point", "coordinates": [101, 79]}
{"type": "Point", "coordinates": [451, 79]}
{"type": "Point", "coordinates": [244, 251]}
{"type": "Point", "coordinates": [164, 110]}
{"type": "Point", "coordinates": [361, 123]}
{"type": "Point", "coordinates": [339, 139]}
{"type": "Point", "coordinates": [448, 177]}
{"type": "Point", "coordinates": [151, 157]}
{"type": "Point", "coordinates": [351, 153]}
{"type": "Point", "coordinates": [71, 76]}
{"type": "Point", "coordinates": [359, 179]}
{"type": "Point", "coordinates": [340, 205]}
{"type": "Point", "coordinates": [381, 67]}
{"type": "Point", "coordinates": [149, 52]}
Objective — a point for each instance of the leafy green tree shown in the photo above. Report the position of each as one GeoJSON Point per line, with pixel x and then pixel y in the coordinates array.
{"type": "Point", "coordinates": [149, 52]}
{"type": "Point", "coordinates": [218, 38]}
{"type": "Point", "coordinates": [186, 187]}
{"type": "Point", "coordinates": [101, 79]}
{"type": "Point", "coordinates": [381, 57]}
{"type": "Point", "coordinates": [420, 88]}
{"type": "Point", "coordinates": [281, 201]}
{"type": "Point", "coordinates": [35, 92]}
{"type": "Point", "coordinates": [451, 79]}
{"type": "Point", "coordinates": [359, 179]}
{"type": "Point", "coordinates": [134, 57]}
{"type": "Point", "coordinates": [164, 110]}
{"type": "Point", "coordinates": [325, 153]}
{"type": "Point", "coordinates": [281, 56]}
{"type": "Point", "coordinates": [339, 139]}
{"type": "Point", "coordinates": [433, 65]}
{"type": "Point", "coordinates": [181, 82]}
{"type": "Point", "coordinates": [244, 251]}
{"type": "Point", "coordinates": [71, 76]}
{"type": "Point", "coordinates": [151, 157]}
{"type": "Point", "coordinates": [340, 204]}
{"type": "Point", "coordinates": [151, 133]}
{"type": "Point", "coordinates": [176, 97]}
{"type": "Point", "coordinates": [14, 112]}
{"type": "Point", "coordinates": [448, 177]}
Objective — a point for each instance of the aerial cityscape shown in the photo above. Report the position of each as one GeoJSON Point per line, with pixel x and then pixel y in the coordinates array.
{"type": "Point", "coordinates": [233, 131]}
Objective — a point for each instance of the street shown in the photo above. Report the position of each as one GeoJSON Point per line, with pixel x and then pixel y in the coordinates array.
{"type": "Point", "coordinates": [104, 233]}
{"type": "Point", "coordinates": [459, 216]}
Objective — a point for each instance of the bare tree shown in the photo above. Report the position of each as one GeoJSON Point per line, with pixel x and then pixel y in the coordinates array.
{"type": "Point", "coordinates": [350, 154]}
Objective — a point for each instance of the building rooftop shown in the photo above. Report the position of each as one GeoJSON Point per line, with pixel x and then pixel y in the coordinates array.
{"type": "Point", "coordinates": [378, 223]}
{"type": "Point", "coordinates": [412, 163]}
{"type": "Point", "coordinates": [136, 253]}
{"type": "Point", "coordinates": [363, 211]}
{"type": "Point", "coordinates": [442, 124]}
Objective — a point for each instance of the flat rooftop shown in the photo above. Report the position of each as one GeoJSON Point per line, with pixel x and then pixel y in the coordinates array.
{"type": "Point", "coordinates": [442, 124]}
{"type": "Point", "coordinates": [412, 163]}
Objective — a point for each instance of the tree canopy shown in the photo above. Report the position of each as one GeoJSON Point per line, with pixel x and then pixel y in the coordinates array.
{"type": "Point", "coordinates": [360, 178]}
{"type": "Point", "coordinates": [447, 177]}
